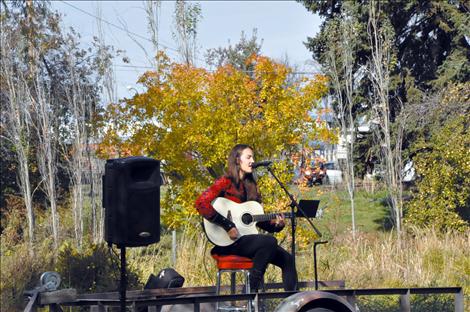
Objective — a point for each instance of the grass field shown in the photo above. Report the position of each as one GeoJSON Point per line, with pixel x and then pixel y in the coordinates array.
{"type": "Point", "coordinates": [371, 212]}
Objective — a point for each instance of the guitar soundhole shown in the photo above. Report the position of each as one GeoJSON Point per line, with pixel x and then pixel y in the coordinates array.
{"type": "Point", "coordinates": [247, 218]}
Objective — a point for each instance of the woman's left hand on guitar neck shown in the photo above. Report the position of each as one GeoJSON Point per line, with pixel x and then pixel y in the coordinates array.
{"type": "Point", "coordinates": [279, 221]}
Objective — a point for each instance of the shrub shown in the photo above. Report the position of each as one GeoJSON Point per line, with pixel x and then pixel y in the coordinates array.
{"type": "Point", "coordinates": [442, 199]}
{"type": "Point", "coordinates": [20, 271]}
{"type": "Point", "coordinates": [92, 269]}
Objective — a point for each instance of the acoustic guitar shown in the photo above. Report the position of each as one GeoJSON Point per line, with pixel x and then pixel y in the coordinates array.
{"type": "Point", "coordinates": [245, 216]}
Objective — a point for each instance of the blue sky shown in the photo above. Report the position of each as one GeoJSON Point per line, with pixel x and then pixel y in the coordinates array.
{"type": "Point", "coordinates": [283, 26]}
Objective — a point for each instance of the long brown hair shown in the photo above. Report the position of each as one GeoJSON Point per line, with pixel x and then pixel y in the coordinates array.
{"type": "Point", "coordinates": [233, 173]}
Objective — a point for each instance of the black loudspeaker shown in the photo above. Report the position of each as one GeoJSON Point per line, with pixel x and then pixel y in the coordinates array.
{"type": "Point", "coordinates": [131, 199]}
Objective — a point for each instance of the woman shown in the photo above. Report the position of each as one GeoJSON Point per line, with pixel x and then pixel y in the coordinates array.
{"type": "Point", "coordinates": [239, 185]}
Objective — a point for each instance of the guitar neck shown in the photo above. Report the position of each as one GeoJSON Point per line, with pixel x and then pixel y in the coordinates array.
{"type": "Point", "coordinates": [270, 216]}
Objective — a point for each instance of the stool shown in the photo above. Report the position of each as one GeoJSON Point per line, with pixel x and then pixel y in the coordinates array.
{"type": "Point", "coordinates": [233, 264]}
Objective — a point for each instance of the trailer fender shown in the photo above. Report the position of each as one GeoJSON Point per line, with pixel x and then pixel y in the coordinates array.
{"type": "Point", "coordinates": [314, 301]}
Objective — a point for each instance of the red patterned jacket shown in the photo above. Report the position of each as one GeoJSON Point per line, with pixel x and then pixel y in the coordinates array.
{"type": "Point", "coordinates": [224, 187]}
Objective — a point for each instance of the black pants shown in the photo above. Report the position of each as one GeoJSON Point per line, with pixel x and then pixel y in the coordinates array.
{"type": "Point", "coordinates": [263, 249]}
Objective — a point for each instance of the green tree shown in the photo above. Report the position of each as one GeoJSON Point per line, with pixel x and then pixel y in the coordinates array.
{"type": "Point", "coordinates": [428, 51]}
{"type": "Point", "coordinates": [442, 162]}
{"type": "Point", "coordinates": [430, 40]}
{"type": "Point", "coordinates": [186, 17]}
{"type": "Point", "coordinates": [236, 55]}
{"type": "Point", "coordinates": [430, 46]}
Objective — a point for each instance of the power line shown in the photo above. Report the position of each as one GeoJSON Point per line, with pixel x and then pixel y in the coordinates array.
{"type": "Point", "coordinates": [117, 26]}
{"type": "Point", "coordinates": [125, 30]}
{"type": "Point", "coordinates": [245, 71]}
{"type": "Point", "coordinates": [147, 39]}
{"type": "Point", "coordinates": [136, 66]}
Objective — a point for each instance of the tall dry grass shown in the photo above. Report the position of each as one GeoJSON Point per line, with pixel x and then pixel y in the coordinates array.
{"type": "Point", "coordinates": [193, 260]}
{"type": "Point", "coordinates": [422, 258]}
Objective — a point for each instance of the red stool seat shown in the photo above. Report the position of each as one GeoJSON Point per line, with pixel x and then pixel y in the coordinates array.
{"type": "Point", "coordinates": [232, 262]}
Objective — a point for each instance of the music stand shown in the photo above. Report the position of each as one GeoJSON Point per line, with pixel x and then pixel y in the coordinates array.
{"type": "Point", "coordinates": [309, 207]}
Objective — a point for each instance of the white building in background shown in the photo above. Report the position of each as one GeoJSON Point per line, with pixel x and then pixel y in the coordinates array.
{"type": "Point", "coordinates": [341, 149]}
{"type": "Point", "coordinates": [337, 152]}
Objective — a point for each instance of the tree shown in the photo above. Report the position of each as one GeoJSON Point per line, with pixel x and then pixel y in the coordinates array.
{"type": "Point", "coordinates": [381, 65]}
{"type": "Point", "coordinates": [442, 160]}
{"type": "Point", "coordinates": [16, 125]}
{"type": "Point", "coordinates": [153, 10]}
{"type": "Point", "coordinates": [47, 154]}
{"type": "Point", "coordinates": [75, 155]}
{"type": "Point", "coordinates": [108, 81]}
{"type": "Point", "coordinates": [186, 18]}
{"type": "Point", "coordinates": [36, 53]}
{"type": "Point", "coordinates": [343, 83]}
{"type": "Point", "coordinates": [430, 47]}
{"type": "Point", "coordinates": [190, 118]}
{"type": "Point", "coordinates": [20, 54]}
{"type": "Point", "coordinates": [429, 37]}
{"type": "Point", "coordinates": [83, 107]}
{"type": "Point", "coordinates": [236, 55]}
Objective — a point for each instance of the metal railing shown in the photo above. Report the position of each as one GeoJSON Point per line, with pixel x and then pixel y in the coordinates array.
{"type": "Point", "coordinates": [195, 296]}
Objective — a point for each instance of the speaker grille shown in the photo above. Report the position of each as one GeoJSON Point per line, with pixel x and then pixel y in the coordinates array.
{"type": "Point", "coordinates": [131, 197]}
{"type": "Point", "coordinates": [143, 214]}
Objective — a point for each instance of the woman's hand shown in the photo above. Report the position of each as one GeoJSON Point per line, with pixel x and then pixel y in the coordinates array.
{"type": "Point", "coordinates": [279, 221]}
{"type": "Point", "coordinates": [233, 233]}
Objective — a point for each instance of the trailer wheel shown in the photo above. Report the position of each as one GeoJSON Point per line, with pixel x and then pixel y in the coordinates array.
{"type": "Point", "coordinates": [314, 301]}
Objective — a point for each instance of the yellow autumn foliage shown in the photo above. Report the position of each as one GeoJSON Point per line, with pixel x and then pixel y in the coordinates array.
{"type": "Point", "coordinates": [190, 118]}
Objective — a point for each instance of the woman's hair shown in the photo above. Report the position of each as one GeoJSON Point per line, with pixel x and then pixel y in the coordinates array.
{"type": "Point", "coordinates": [233, 172]}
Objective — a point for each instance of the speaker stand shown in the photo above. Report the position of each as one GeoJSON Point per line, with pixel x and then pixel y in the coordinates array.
{"type": "Point", "coordinates": [123, 281]}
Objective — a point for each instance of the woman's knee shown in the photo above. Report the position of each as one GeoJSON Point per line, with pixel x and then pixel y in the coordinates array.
{"type": "Point", "coordinates": [268, 240]}
{"type": "Point", "coordinates": [282, 259]}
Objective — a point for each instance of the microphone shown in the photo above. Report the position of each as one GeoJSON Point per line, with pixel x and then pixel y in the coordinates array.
{"type": "Point", "coordinates": [264, 163]}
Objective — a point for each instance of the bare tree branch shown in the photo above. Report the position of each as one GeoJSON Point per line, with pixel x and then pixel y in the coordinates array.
{"type": "Point", "coordinates": [340, 70]}
{"type": "Point", "coordinates": [379, 72]}
{"type": "Point", "coordinates": [18, 122]}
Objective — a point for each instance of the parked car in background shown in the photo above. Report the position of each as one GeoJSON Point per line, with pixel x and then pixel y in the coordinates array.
{"type": "Point", "coordinates": [378, 172]}
{"type": "Point", "coordinates": [333, 174]}
{"type": "Point", "coordinates": [408, 173]}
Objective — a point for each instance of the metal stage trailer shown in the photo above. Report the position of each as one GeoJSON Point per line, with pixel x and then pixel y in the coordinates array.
{"type": "Point", "coordinates": [204, 298]}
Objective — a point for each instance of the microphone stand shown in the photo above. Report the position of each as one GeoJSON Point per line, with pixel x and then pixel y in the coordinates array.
{"type": "Point", "coordinates": [294, 204]}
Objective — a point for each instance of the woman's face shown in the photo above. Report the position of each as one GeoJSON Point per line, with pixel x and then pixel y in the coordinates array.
{"type": "Point", "coordinates": [246, 159]}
